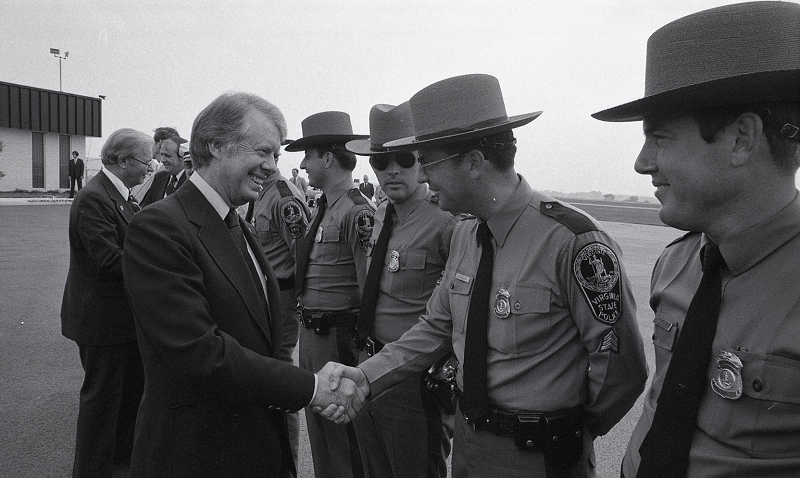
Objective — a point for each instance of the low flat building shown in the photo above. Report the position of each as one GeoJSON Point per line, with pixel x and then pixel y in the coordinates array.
{"type": "Point", "coordinates": [39, 129]}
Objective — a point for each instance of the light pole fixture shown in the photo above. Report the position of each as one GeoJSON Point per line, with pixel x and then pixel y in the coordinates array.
{"type": "Point", "coordinates": [57, 53]}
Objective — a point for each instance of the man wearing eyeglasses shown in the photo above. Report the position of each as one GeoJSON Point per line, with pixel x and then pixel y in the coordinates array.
{"type": "Point", "coordinates": [534, 301]}
{"type": "Point", "coordinates": [168, 180]}
{"type": "Point", "coordinates": [401, 434]}
{"type": "Point", "coordinates": [331, 265]}
{"type": "Point", "coordinates": [95, 311]}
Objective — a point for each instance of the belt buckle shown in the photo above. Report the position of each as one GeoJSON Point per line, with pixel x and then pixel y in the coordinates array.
{"type": "Point", "coordinates": [370, 346]}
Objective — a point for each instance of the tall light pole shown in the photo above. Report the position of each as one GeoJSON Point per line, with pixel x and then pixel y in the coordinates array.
{"type": "Point", "coordinates": [57, 53]}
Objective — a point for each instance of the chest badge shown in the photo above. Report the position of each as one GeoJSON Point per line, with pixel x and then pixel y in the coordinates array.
{"type": "Point", "coordinates": [318, 238]}
{"type": "Point", "coordinates": [502, 306]}
{"type": "Point", "coordinates": [727, 380]}
{"type": "Point", "coordinates": [394, 261]}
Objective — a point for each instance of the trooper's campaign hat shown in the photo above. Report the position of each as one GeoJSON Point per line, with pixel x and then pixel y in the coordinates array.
{"type": "Point", "coordinates": [386, 123]}
{"type": "Point", "coordinates": [736, 54]}
{"type": "Point", "coordinates": [328, 127]}
{"type": "Point", "coordinates": [458, 109]}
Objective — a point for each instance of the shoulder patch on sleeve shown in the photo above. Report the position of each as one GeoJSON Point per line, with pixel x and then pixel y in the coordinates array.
{"type": "Point", "coordinates": [364, 222]}
{"type": "Point", "coordinates": [575, 221]}
{"type": "Point", "coordinates": [293, 218]}
{"type": "Point", "coordinates": [596, 269]}
{"type": "Point", "coordinates": [283, 189]}
{"type": "Point", "coordinates": [683, 237]}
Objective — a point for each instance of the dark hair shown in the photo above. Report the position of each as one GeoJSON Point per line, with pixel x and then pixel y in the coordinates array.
{"type": "Point", "coordinates": [75, 153]}
{"type": "Point", "coordinates": [712, 120]}
{"type": "Point", "coordinates": [164, 132]}
{"type": "Point", "coordinates": [221, 124]}
{"type": "Point", "coordinates": [499, 148]}
{"type": "Point", "coordinates": [346, 159]}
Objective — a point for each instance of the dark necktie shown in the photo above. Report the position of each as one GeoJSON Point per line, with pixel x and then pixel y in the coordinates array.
{"type": "Point", "coordinates": [476, 393]}
{"type": "Point", "coordinates": [172, 185]}
{"type": "Point", "coordinates": [665, 449]}
{"type": "Point", "coordinates": [232, 220]}
{"type": "Point", "coordinates": [134, 204]}
{"type": "Point", "coordinates": [369, 298]}
{"type": "Point", "coordinates": [304, 246]}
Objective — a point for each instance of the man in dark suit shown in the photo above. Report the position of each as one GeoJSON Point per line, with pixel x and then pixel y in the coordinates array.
{"type": "Point", "coordinates": [75, 173]}
{"type": "Point", "coordinates": [207, 311]}
{"type": "Point", "coordinates": [168, 180]}
{"type": "Point", "coordinates": [95, 311]}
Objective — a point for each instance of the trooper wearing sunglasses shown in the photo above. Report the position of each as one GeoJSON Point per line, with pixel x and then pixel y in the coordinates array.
{"type": "Point", "coordinates": [401, 434]}
{"type": "Point", "coordinates": [534, 301]}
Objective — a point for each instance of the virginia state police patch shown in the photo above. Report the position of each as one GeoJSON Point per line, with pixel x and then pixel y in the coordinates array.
{"type": "Point", "coordinates": [364, 223]}
{"type": "Point", "coordinates": [597, 270]}
{"type": "Point", "coordinates": [290, 213]}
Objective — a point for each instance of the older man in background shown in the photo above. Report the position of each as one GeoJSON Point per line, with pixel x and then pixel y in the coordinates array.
{"type": "Point", "coordinates": [95, 311]}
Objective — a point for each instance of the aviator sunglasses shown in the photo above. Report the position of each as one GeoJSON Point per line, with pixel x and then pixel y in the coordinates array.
{"type": "Point", "coordinates": [403, 159]}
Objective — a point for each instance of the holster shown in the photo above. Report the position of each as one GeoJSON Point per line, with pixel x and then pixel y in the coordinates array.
{"type": "Point", "coordinates": [440, 380]}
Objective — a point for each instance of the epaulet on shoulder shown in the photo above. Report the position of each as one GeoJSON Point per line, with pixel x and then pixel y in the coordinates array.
{"type": "Point", "coordinates": [356, 196]}
{"type": "Point", "coordinates": [283, 189]}
{"type": "Point", "coordinates": [575, 221]}
{"type": "Point", "coordinates": [682, 238]}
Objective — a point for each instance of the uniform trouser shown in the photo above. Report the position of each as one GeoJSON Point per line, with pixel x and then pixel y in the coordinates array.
{"type": "Point", "coordinates": [481, 453]}
{"type": "Point", "coordinates": [401, 434]}
{"type": "Point", "coordinates": [289, 333]}
{"type": "Point", "coordinates": [109, 401]}
{"type": "Point", "coordinates": [334, 449]}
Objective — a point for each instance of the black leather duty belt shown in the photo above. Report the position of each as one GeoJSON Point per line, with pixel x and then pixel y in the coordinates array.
{"type": "Point", "coordinates": [373, 346]}
{"type": "Point", "coordinates": [322, 320]}
{"type": "Point", "coordinates": [286, 284]}
{"type": "Point", "coordinates": [534, 430]}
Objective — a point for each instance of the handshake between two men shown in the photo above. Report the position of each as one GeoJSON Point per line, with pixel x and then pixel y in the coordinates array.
{"type": "Point", "coordinates": [341, 392]}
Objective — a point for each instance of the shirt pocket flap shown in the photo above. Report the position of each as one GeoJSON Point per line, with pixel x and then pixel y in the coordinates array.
{"type": "Point", "coordinates": [330, 234]}
{"type": "Point", "coordinates": [664, 333]}
{"type": "Point", "coordinates": [461, 284]}
{"type": "Point", "coordinates": [529, 299]}
{"type": "Point", "coordinates": [770, 378]}
{"type": "Point", "coordinates": [413, 260]}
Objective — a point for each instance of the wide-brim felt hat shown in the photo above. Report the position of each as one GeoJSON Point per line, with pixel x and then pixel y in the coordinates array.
{"type": "Point", "coordinates": [736, 54]}
{"type": "Point", "coordinates": [328, 127]}
{"type": "Point", "coordinates": [457, 109]}
{"type": "Point", "coordinates": [386, 123]}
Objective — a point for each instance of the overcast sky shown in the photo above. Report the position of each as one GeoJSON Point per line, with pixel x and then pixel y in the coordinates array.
{"type": "Point", "coordinates": [160, 63]}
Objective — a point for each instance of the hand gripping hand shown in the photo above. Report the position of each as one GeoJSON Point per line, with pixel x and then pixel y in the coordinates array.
{"type": "Point", "coordinates": [341, 392]}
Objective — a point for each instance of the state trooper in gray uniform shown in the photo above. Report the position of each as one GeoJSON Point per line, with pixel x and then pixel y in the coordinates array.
{"type": "Point", "coordinates": [401, 433]}
{"type": "Point", "coordinates": [331, 261]}
{"type": "Point", "coordinates": [280, 216]}
{"type": "Point", "coordinates": [549, 350]}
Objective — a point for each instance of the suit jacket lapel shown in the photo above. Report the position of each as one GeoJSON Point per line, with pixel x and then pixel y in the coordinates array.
{"type": "Point", "coordinates": [218, 242]}
{"type": "Point", "coordinates": [120, 203]}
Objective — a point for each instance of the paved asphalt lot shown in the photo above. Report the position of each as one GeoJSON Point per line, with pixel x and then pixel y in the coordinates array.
{"type": "Point", "coordinates": [40, 370]}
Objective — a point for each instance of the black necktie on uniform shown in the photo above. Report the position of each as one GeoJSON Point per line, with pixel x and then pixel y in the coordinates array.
{"type": "Point", "coordinates": [665, 449]}
{"type": "Point", "coordinates": [134, 204]}
{"type": "Point", "coordinates": [476, 393]}
{"type": "Point", "coordinates": [369, 298]}
{"type": "Point", "coordinates": [232, 220]}
{"type": "Point", "coordinates": [304, 246]}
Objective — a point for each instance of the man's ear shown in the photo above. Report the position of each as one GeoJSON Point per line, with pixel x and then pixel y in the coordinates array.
{"type": "Point", "coordinates": [748, 131]}
{"type": "Point", "coordinates": [476, 162]}
{"type": "Point", "coordinates": [215, 151]}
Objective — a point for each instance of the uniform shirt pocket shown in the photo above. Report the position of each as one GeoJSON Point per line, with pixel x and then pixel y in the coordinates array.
{"type": "Point", "coordinates": [459, 290]}
{"type": "Point", "coordinates": [664, 333]}
{"type": "Point", "coordinates": [412, 263]}
{"type": "Point", "coordinates": [330, 243]}
{"type": "Point", "coordinates": [528, 324]}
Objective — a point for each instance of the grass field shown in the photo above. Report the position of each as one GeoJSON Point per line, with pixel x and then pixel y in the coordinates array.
{"type": "Point", "coordinates": [41, 374]}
